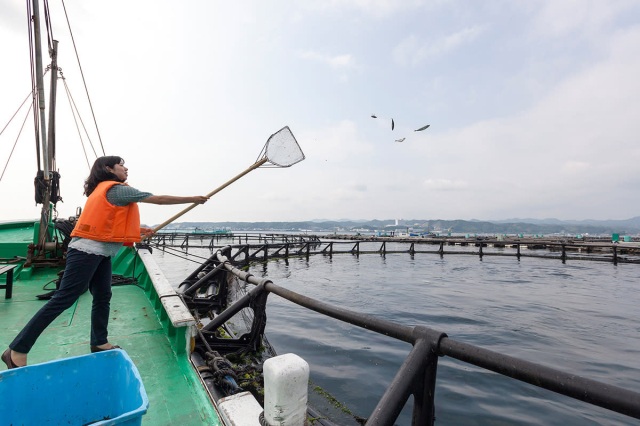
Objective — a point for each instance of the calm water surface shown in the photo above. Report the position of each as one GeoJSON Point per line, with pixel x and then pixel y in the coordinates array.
{"type": "Point", "coordinates": [581, 317]}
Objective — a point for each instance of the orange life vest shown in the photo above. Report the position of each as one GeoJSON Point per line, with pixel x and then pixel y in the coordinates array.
{"type": "Point", "coordinates": [102, 221]}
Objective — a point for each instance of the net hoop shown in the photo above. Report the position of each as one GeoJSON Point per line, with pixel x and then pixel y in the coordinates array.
{"type": "Point", "coordinates": [281, 149]}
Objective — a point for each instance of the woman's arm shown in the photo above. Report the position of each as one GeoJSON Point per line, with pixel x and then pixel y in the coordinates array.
{"type": "Point", "coordinates": [172, 199]}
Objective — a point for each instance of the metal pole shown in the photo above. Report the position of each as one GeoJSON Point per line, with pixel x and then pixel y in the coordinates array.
{"type": "Point", "coordinates": [40, 85]}
{"type": "Point", "coordinates": [48, 148]}
{"type": "Point", "coordinates": [597, 393]}
{"type": "Point", "coordinates": [402, 386]}
{"type": "Point", "coordinates": [52, 106]}
{"type": "Point", "coordinates": [44, 215]}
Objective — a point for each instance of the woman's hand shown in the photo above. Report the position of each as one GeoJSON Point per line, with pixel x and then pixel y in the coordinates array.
{"type": "Point", "coordinates": [200, 199]}
{"type": "Point", "coordinates": [146, 232]}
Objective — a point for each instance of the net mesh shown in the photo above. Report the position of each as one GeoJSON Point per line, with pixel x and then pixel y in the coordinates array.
{"type": "Point", "coordinates": [282, 149]}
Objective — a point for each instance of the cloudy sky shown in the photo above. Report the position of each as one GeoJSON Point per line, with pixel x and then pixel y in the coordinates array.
{"type": "Point", "coordinates": [534, 106]}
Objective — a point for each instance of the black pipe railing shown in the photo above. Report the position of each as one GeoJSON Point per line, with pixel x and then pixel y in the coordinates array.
{"type": "Point", "coordinates": [417, 375]}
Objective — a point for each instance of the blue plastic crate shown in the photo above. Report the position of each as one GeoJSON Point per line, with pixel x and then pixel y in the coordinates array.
{"type": "Point", "coordinates": [104, 388]}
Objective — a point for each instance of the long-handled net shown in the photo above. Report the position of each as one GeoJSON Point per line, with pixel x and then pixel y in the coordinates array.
{"type": "Point", "coordinates": [281, 150]}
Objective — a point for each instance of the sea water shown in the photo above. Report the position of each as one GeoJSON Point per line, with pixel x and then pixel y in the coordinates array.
{"type": "Point", "coordinates": [581, 317]}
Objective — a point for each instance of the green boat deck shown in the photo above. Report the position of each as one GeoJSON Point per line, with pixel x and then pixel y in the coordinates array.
{"type": "Point", "coordinates": [138, 324]}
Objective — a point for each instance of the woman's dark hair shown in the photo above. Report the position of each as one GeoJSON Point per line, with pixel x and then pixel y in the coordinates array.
{"type": "Point", "coordinates": [99, 172]}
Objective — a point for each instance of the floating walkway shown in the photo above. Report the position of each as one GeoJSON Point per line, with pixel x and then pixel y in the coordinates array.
{"type": "Point", "coordinates": [212, 240]}
{"type": "Point", "coordinates": [248, 247]}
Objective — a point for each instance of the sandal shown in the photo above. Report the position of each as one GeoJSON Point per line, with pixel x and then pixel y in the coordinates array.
{"type": "Point", "coordinates": [97, 349]}
{"type": "Point", "coordinates": [6, 358]}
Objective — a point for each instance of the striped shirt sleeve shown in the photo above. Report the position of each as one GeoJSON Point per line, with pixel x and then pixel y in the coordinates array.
{"type": "Point", "coordinates": [121, 195]}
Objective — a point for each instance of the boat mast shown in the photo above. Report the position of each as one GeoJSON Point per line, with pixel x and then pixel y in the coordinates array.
{"type": "Point", "coordinates": [48, 143]}
{"type": "Point", "coordinates": [51, 140]}
{"type": "Point", "coordinates": [40, 85]}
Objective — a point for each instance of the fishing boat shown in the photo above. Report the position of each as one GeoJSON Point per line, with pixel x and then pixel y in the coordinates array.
{"type": "Point", "coordinates": [199, 345]}
{"type": "Point", "coordinates": [149, 319]}
{"type": "Point", "coordinates": [144, 319]}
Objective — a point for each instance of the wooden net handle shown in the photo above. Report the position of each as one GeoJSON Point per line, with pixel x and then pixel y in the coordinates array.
{"type": "Point", "coordinates": [211, 194]}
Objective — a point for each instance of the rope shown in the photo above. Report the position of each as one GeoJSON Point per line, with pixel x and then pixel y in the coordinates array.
{"type": "Point", "coordinates": [84, 150]}
{"type": "Point", "coordinates": [14, 114]}
{"type": "Point", "coordinates": [16, 141]}
{"type": "Point", "coordinates": [262, 420]}
{"type": "Point", "coordinates": [178, 254]}
{"type": "Point", "coordinates": [222, 368]}
{"type": "Point", "coordinates": [46, 286]}
{"type": "Point", "coordinates": [122, 280]}
{"type": "Point", "coordinates": [77, 111]}
{"type": "Point", "coordinates": [47, 20]}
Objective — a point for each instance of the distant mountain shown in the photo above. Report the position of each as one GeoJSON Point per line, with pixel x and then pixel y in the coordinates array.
{"type": "Point", "coordinates": [509, 226]}
{"type": "Point", "coordinates": [633, 223]}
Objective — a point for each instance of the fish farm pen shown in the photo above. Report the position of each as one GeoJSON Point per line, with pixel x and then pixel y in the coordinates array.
{"type": "Point", "coordinates": [264, 246]}
{"type": "Point", "coordinates": [415, 381]}
{"type": "Point", "coordinates": [211, 239]}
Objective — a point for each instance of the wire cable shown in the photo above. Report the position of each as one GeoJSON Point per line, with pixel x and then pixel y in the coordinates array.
{"type": "Point", "coordinates": [47, 22]}
{"type": "Point", "coordinates": [77, 112]}
{"type": "Point", "coordinates": [75, 120]}
{"type": "Point", "coordinates": [75, 49]}
{"type": "Point", "coordinates": [14, 114]}
{"type": "Point", "coordinates": [15, 143]}
{"type": "Point", "coordinates": [181, 254]}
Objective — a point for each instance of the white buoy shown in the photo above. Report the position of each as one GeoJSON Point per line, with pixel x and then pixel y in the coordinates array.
{"type": "Point", "coordinates": [286, 379]}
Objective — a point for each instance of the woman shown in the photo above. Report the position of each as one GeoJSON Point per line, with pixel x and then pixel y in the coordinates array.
{"type": "Point", "coordinates": [109, 219]}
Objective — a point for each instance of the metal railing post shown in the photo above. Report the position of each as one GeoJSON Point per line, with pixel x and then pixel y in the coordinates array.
{"type": "Point", "coordinates": [416, 376]}
{"type": "Point", "coordinates": [425, 390]}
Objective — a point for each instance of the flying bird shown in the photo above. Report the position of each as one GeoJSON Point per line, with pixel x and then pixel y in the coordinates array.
{"type": "Point", "coordinates": [393, 126]}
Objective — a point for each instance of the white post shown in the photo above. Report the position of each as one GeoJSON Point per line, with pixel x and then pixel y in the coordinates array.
{"type": "Point", "coordinates": [286, 379]}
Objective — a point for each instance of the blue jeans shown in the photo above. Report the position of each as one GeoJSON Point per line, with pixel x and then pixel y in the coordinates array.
{"type": "Point", "coordinates": [82, 271]}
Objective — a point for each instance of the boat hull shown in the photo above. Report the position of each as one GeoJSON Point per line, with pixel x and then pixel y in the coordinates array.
{"type": "Point", "coordinates": [139, 323]}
